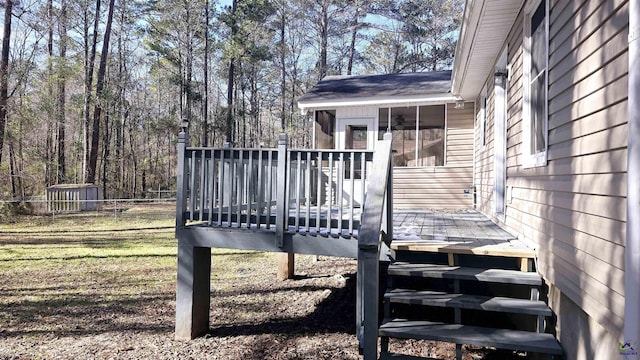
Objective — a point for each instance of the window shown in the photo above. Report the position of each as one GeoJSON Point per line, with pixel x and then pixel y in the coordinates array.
{"type": "Point", "coordinates": [418, 134]}
{"type": "Point", "coordinates": [535, 84]}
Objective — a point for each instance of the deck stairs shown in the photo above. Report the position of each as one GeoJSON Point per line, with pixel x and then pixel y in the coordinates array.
{"type": "Point", "coordinates": [489, 307]}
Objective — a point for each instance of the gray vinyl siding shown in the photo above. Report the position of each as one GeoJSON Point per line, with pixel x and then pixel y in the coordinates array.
{"type": "Point", "coordinates": [441, 187]}
{"type": "Point", "coordinates": [574, 208]}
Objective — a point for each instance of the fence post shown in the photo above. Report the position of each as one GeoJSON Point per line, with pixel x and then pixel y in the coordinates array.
{"type": "Point", "coordinates": [181, 190]}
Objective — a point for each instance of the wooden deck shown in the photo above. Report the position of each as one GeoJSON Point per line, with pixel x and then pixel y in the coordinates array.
{"type": "Point", "coordinates": [453, 233]}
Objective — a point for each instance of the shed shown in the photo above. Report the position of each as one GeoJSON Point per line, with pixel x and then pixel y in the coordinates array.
{"type": "Point", "coordinates": [73, 197]}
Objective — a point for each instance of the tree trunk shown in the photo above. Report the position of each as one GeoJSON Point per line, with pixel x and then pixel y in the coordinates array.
{"type": "Point", "coordinates": [4, 73]}
{"type": "Point", "coordinates": [62, 93]}
{"type": "Point", "coordinates": [97, 112]}
{"type": "Point", "coordinates": [48, 171]}
{"type": "Point", "coordinates": [89, 63]}
{"type": "Point", "coordinates": [12, 169]}
{"type": "Point", "coordinates": [205, 100]}
{"type": "Point", "coordinates": [283, 48]}
{"type": "Point", "coordinates": [324, 38]}
{"type": "Point", "coordinates": [230, 80]}
{"type": "Point", "coordinates": [354, 33]}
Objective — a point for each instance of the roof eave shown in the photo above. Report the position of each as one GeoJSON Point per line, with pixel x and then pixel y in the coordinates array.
{"type": "Point", "coordinates": [471, 67]}
{"type": "Point", "coordinates": [430, 99]}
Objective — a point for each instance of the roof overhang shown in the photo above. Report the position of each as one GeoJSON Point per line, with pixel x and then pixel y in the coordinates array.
{"type": "Point", "coordinates": [485, 27]}
{"type": "Point", "coordinates": [431, 99]}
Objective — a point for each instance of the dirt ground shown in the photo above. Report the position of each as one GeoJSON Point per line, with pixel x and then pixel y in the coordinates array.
{"type": "Point", "coordinates": [105, 293]}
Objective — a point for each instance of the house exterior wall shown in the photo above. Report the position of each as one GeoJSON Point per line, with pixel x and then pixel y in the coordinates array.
{"type": "Point", "coordinates": [574, 208]}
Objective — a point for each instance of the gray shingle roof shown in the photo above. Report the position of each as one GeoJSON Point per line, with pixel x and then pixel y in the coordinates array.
{"type": "Point", "coordinates": [379, 86]}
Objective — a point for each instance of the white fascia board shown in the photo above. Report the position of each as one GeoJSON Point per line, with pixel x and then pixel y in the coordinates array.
{"type": "Point", "coordinates": [470, 68]}
{"type": "Point", "coordinates": [466, 39]}
{"type": "Point", "coordinates": [433, 99]}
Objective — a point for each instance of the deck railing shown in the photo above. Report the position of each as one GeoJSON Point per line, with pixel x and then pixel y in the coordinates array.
{"type": "Point", "coordinates": [376, 228]}
{"type": "Point", "coordinates": [337, 193]}
{"type": "Point", "coordinates": [316, 192]}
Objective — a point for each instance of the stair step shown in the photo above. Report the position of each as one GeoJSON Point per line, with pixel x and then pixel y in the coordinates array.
{"type": "Point", "coordinates": [472, 335]}
{"type": "Point", "coordinates": [393, 356]}
{"type": "Point", "coordinates": [465, 301]}
{"type": "Point", "coordinates": [465, 273]}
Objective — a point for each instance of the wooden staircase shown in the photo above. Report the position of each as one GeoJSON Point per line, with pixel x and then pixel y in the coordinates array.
{"type": "Point", "coordinates": [465, 305]}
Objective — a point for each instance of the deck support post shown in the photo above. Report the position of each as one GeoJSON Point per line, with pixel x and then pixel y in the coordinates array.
{"type": "Point", "coordinates": [286, 260]}
{"type": "Point", "coordinates": [367, 301]}
{"type": "Point", "coordinates": [193, 291]}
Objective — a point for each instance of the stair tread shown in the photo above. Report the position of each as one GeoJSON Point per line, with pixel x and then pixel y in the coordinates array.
{"type": "Point", "coordinates": [464, 273]}
{"type": "Point", "coordinates": [472, 335]}
{"type": "Point", "coordinates": [394, 356]}
{"type": "Point", "coordinates": [466, 301]}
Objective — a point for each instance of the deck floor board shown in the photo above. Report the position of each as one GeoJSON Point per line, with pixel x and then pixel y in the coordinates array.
{"type": "Point", "coordinates": [461, 232]}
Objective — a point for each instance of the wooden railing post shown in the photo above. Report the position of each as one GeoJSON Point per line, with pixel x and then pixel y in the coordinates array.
{"type": "Point", "coordinates": [181, 188]}
{"type": "Point", "coordinates": [286, 261]}
{"type": "Point", "coordinates": [388, 223]}
{"type": "Point", "coordinates": [281, 192]}
{"type": "Point", "coordinates": [369, 239]}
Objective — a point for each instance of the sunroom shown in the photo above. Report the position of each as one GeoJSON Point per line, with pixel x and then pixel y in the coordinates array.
{"type": "Point", "coordinates": [432, 131]}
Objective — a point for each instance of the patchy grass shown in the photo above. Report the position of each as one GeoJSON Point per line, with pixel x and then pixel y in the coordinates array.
{"type": "Point", "coordinates": [102, 285]}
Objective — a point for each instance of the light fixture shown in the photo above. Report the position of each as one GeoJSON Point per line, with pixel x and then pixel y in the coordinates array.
{"type": "Point", "coordinates": [500, 78]}
{"type": "Point", "coordinates": [184, 124]}
{"type": "Point", "coordinates": [459, 105]}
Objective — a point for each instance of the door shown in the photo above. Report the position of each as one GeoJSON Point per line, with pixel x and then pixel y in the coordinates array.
{"type": "Point", "coordinates": [354, 134]}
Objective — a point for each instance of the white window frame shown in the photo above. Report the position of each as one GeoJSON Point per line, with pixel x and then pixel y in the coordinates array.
{"type": "Point", "coordinates": [531, 158]}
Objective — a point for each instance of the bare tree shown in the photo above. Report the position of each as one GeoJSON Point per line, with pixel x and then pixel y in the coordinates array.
{"type": "Point", "coordinates": [97, 112]}
{"type": "Point", "coordinates": [4, 73]}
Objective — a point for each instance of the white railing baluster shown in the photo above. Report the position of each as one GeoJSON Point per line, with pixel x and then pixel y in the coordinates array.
{"type": "Point", "coordinates": [221, 186]}
{"type": "Point", "coordinates": [307, 193]}
{"type": "Point", "coordinates": [298, 189]}
{"type": "Point", "coordinates": [192, 186]}
{"type": "Point", "coordinates": [352, 194]}
{"type": "Point", "coordinates": [203, 182]}
{"type": "Point", "coordinates": [330, 200]}
{"type": "Point", "coordinates": [269, 187]}
{"type": "Point", "coordinates": [249, 188]}
{"type": "Point", "coordinates": [212, 187]}
{"type": "Point", "coordinates": [260, 185]}
{"type": "Point", "coordinates": [364, 177]}
{"type": "Point", "coordinates": [319, 189]}
{"type": "Point", "coordinates": [340, 197]}
{"type": "Point", "coordinates": [239, 187]}
{"type": "Point", "coordinates": [231, 186]}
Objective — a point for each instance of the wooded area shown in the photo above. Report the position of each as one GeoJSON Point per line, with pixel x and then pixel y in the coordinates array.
{"type": "Point", "coordinates": [96, 92]}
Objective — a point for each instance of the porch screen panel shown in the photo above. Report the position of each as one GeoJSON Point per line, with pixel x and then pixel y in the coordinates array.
{"type": "Point", "coordinates": [325, 123]}
{"type": "Point", "coordinates": [431, 136]}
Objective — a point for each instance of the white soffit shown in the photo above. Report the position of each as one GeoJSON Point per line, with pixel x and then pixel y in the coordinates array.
{"type": "Point", "coordinates": [485, 27]}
